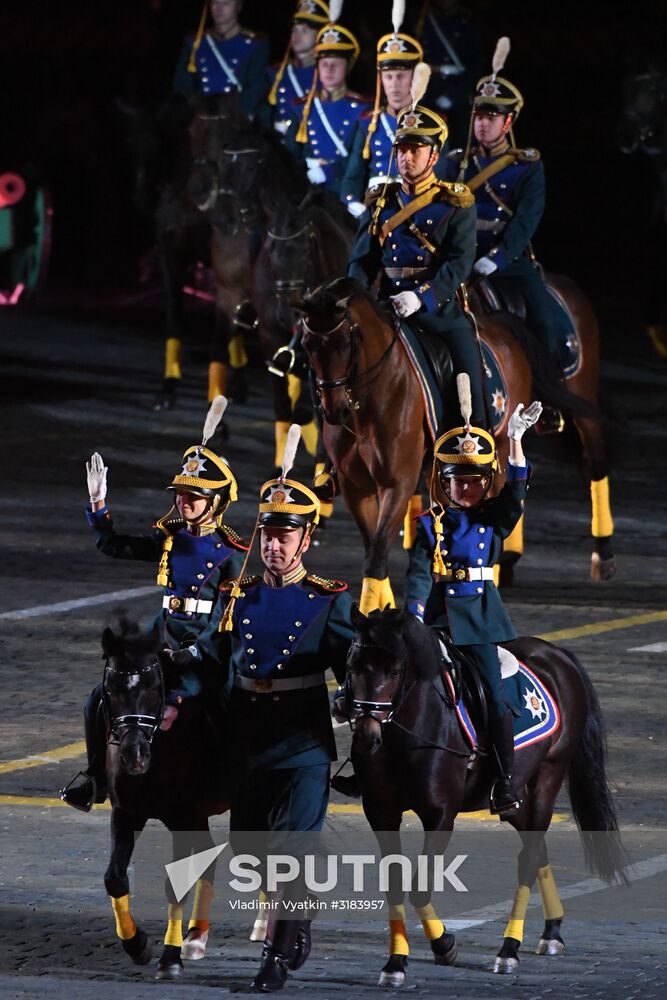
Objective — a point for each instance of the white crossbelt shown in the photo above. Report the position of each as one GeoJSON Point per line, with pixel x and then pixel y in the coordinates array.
{"type": "Point", "coordinates": [294, 81]}
{"type": "Point", "coordinates": [187, 604]}
{"type": "Point", "coordinates": [224, 64]}
{"type": "Point", "coordinates": [340, 146]}
{"type": "Point", "coordinates": [267, 685]}
{"type": "Point", "coordinates": [386, 125]}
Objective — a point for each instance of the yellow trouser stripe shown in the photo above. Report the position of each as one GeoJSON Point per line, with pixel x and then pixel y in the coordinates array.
{"type": "Point", "coordinates": [551, 904]}
{"type": "Point", "coordinates": [125, 925]}
{"type": "Point", "coordinates": [514, 927]}
{"type": "Point", "coordinates": [172, 358]}
{"type": "Point", "coordinates": [602, 524]}
{"type": "Point", "coordinates": [310, 433]}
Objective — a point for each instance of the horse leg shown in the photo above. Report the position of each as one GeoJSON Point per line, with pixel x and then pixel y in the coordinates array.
{"type": "Point", "coordinates": [603, 564]}
{"type": "Point", "coordinates": [436, 841]}
{"type": "Point", "coordinates": [551, 943]}
{"type": "Point", "coordinates": [173, 275]}
{"type": "Point", "coordinates": [123, 830]}
{"type": "Point", "coordinates": [392, 974]}
{"type": "Point", "coordinates": [392, 503]}
{"type": "Point", "coordinates": [194, 946]}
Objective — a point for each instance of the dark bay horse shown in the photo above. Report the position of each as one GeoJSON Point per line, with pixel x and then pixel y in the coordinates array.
{"type": "Point", "coordinates": [171, 776]}
{"type": "Point", "coordinates": [375, 428]}
{"type": "Point", "coordinates": [409, 753]}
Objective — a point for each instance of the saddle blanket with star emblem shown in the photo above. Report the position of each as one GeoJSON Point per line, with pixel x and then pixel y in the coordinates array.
{"type": "Point", "coordinates": [537, 718]}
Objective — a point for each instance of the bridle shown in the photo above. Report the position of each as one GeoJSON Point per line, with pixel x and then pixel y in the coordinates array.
{"type": "Point", "coordinates": [118, 726]}
{"type": "Point", "coordinates": [352, 379]}
{"type": "Point", "coordinates": [289, 286]}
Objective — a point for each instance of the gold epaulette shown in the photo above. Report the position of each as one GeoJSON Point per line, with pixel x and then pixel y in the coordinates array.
{"type": "Point", "coordinates": [528, 155]}
{"type": "Point", "coordinates": [329, 586]}
{"type": "Point", "coordinates": [373, 193]}
{"type": "Point", "coordinates": [456, 194]}
{"type": "Point", "coordinates": [233, 537]}
{"type": "Point", "coordinates": [246, 581]}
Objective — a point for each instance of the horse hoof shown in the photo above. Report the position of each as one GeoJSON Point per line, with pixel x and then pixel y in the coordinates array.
{"type": "Point", "coordinates": [444, 949]}
{"type": "Point", "coordinates": [393, 974]}
{"type": "Point", "coordinates": [505, 965]}
{"type": "Point", "coordinates": [602, 569]}
{"type": "Point", "coordinates": [170, 972]}
{"type": "Point", "coordinates": [194, 946]}
{"type": "Point", "coordinates": [139, 948]}
{"type": "Point", "coordinates": [553, 947]}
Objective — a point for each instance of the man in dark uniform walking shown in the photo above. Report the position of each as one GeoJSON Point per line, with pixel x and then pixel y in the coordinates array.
{"type": "Point", "coordinates": [287, 627]}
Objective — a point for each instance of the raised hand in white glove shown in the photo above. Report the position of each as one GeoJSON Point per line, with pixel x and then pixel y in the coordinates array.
{"type": "Point", "coordinates": [406, 303]}
{"type": "Point", "coordinates": [96, 473]}
{"type": "Point", "coordinates": [485, 266]}
{"type": "Point", "coordinates": [316, 174]}
{"type": "Point", "coordinates": [522, 419]}
{"type": "Point", "coordinates": [356, 208]}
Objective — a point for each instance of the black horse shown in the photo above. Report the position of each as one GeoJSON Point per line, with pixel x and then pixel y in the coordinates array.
{"type": "Point", "coordinates": [643, 129]}
{"type": "Point", "coordinates": [409, 753]}
{"type": "Point", "coordinates": [172, 776]}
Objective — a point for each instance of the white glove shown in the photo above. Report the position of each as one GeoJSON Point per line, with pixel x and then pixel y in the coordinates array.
{"type": "Point", "coordinates": [316, 174]}
{"type": "Point", "coordinates": [522, 419]}
{"type": "Point", "coordinates": [406, 303]}
{"type": "Point", "coordinates": [356, 208]}
{"type": "Point", "coordinates": [282, 127]}
{"type": "Point", "coordinates": [485, 266]}
{"type": "Point", "coordinates": [96, 472]}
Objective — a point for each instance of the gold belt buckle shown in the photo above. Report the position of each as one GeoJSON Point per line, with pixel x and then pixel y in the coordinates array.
{"type": "Point", "coordinates": [263, 685]}
{"type": "Point", "coordinates": [175, 603]}
{"type": "Point", "coordinates": [459, 574]}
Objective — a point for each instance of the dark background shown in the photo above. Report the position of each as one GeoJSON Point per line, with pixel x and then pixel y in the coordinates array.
{"type": "Point", "coordinates": [63, 64]}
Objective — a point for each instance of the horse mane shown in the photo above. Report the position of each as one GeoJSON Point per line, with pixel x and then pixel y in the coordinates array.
{"type": "Point", "coordinates": [127, 636]}
{"type": "Point", "coordinates": [325, 298]}
{"type": "Point", "coordinates": [395, 628]}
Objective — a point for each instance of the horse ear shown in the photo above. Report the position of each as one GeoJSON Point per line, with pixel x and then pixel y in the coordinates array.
{"type": "Point", "coordinates": [109, 642]}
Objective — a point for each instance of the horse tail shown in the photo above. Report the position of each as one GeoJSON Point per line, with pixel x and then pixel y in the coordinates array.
{"type": "Point", "coordinates": [547, 382]}
{"type": "Point", "coordinates": [591, 796]}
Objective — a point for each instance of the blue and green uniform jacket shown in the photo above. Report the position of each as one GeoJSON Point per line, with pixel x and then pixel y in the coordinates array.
{"type": "Point", "coordinates": [295, 83]}
{"type": "Point", "coordinates": [361, 174]}
{"type": "Point", "coordinates": [225, 65]}
{"type": "Point", "coordinates": [446, 222]}
{"type": "Point", "coordinates": [280, 634]}
{"type": "Point", "coordinates": [472, 610]}
{"type": "Point", "coordinates": [509, 205]}
{"type": "Point", "coordinates": [193, 566]}
{"type": "Point", "coordinates": [330, 128]}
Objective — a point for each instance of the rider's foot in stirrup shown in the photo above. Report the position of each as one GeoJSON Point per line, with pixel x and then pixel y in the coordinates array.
{"type": "Point", "coordinates": [84, 790]}
{"type": "Point", "coordinates": [347, 785]}
{"type": "Point", "coordinates": [504, 799]}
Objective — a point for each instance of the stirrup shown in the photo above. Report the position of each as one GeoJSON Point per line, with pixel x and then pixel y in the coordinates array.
{"type": "Point", "coordinates": [503, 800]}
{"type": "Point", "coordinates": [82, 795]}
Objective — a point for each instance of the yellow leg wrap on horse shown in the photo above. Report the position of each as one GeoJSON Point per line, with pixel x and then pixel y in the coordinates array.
{"type": "Point", "coordinates": [602, 523]}
{"type": "Point", "coordinates": [514, 541]}
{"type": "Point", "coordinates": [310, 433]}
{"type": "Point", "coordinates": [658, 336]}
{"type": "Point", "coordinates": [387, 596]}
{"type": "Point", "coordinates": [514, 927]}
{"type": "Point", "coordinates": [125, 925]}
{"type": "Point", "coordinates": [431, 922]}
{"type": "Point", "coordinates": [174, 932]}
{"type": "Point", "coordinates": [409, 522]}
{"type": "Point", "coordinates": [281, 429]}
{"type": "Point", "coordinates": [371, 595]}
{"type": "Point", "coordinates": [293, 388]}
{"type": "Point", "coordinates": [551, 904]}
{"type": "Point", "coordinates": [217, 379]}
{"type": "Point", "coordinates": [398, 938]}
{"type": "Point", "coordinates": [204, 893]}
{"type": "Point", "coordinates": [238, 357]}
{"type": "Point", "coordinates": [326, 509]}
{"type": "Point", "coordinates": [172, 358]}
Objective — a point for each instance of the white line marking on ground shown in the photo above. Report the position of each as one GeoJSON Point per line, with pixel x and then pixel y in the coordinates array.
{"type": "Point", "coordinates": [653, 647]}
{"type": "Point", "coordinates": [81, 602]}
{"type": "Point", "coordinates": [500, 911]}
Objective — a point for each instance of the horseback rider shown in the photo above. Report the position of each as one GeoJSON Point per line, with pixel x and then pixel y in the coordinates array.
{"type": "Point", "coordinates": [286, 628]}
{"type": "Point", "coordinates": [293, 77]}
{"type": "Point", "coordinates": [458, 540]}
{"type": "Point", "coordinates": [419, 234]}
{"type": "Point", "coordinates": [194, 550]}
{"type": "Point", "coordinates": [323, 134]}
{"type": "Point", "coordinates": [508, 184]}
{"type": "Point", "coordinates": [228, 59]}
{"type": "Point", "coordinates": [371, 158]}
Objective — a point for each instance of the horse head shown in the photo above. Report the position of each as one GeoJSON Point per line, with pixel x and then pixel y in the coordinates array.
{"type": "Point", "coordinates": [643, 122]}
{"type": "Point", "coordinates": [132, 693]}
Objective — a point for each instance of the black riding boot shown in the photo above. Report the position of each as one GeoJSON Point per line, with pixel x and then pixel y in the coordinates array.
{"type": "Point", "coordinates": [278, 956]}
{"type": "Point", "coordinates": [90, 786]}
{"type": "Point", "coordinates": [503, 797]}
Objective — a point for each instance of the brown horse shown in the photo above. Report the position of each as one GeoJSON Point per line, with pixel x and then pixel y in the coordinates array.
{"type": "Point", "coordinates": [375, 429]}
{"type": "Point", "coordinates": [409, 752]}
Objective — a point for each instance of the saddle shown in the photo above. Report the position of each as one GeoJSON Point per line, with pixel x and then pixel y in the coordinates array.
{"type": "Point", "coordinates": [437, 356]}
{"type": "Point", "coordinates": [493, 300]}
